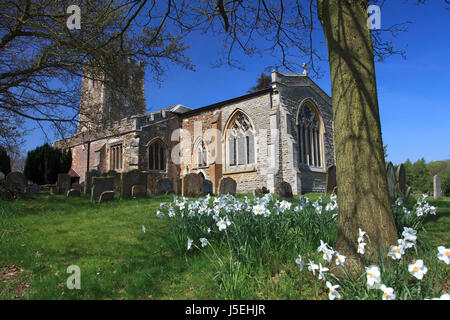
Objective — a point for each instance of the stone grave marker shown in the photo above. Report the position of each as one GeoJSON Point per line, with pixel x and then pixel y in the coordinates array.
{"type": "Point", "coordinates": [192, 185]}
{"type": "Point", "coordinates": [101, 184]}
{"type": "Point", "coordinates": [16, 182]}
{"type": "Point", "coordinates": [162, 186]}
{"type": "Point", "coordinates": [207, 187]}
{"type": "Point", "coordinates": [401, 180]}
{"type": "Point", "coordinates": [106, 196]}
{"type": "Point", "coordinates": [436, 187]}
{"type": "Point", "coordinates": [63, 183]}
{"type": "Point", "coordinates": [73, 192]}
{"type": "Point", "coordinates": [130, 179]}
{"type": "Point", "coordinates": [227, 185]}
{"type": "Point", "coordinates": [88, 180]}
{"type": "Point", "coordinates": [390, 174]}
{"type": "Point", "coordinates": [138, 191]}
{"type": "Point", "coordinates": [331, 179]}
{"type": "Point", "coordinates": [283, 190]}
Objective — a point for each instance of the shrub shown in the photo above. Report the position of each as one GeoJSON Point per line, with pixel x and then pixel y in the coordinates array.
{"type": "Point", "coordinates": [446, 187]}
{"type": "Point", "coordinates": [45, 162]}
{"type": "Point", "coordinates": [5, 162]}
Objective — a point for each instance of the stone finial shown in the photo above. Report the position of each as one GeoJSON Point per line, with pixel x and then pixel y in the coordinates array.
{"type": "Point", "coordinates": [305, 69]}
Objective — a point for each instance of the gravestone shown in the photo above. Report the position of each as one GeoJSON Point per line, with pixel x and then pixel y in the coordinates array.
{"type": "Point", "coordinates": [162, 186]}
{"type": "Point", "coordinates": [138, 191]}
{"type": "Point", "coordinates": [258, 192]}
{"type": "Point", "coordinates": [88, 180]}
{"type": "Point", "coordinates": [63, 183]}
{"type": "Point", "coordinates": [101, 184]}
{"type": "Point", "coordinates": [207, 187]}
{"type": "Point", "coordinates": [401, 180]}
{"type": "Point", "coordinates": [73, 193]}
{"type": "Point", "coordinates": [16, 182]}
{"type": "Point", "coordinates": [130, 179]}
{"type": "Point", "coordinates": [54, 190]}
{"type": "Point", "coordinates": [116, 176]}
{"type": "Point", "coordinates": [76, 186]}
{"type": "Point", "coordinates": [32, 188]}
{"type": "Point", "coordinates": [331, 179]}
{"type": "Point", "coordinates": [437, 187]}
{"type": "Point", "coordinates": [2, 176]}
{"type": "Point", "coordinates": [283, 190]}
{"type": "Point", "coordinates": [390, 174]}
{"type": "Point", "coordinates": [106, 196]}
{"type": "Point", "coordinates": [227, 185]}
{"type": "Point", "coordinates": [191, 185]}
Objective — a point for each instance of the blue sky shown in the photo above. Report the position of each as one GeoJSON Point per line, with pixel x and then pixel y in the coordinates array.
{"type": "Point", "coordinates": [414, 94]}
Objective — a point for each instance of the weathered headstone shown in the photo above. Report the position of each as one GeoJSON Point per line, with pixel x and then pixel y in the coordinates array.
{"type": "Point", "coordinates": [390, 174]}
{"type": "Point", "coordinates": [129, 179]}
{"type": "Point", "coordinates": [227, 185]}
{"type": "Point", "coordinates": [88, 180]}
{"type": "Point", "coordinates": [138, 191]}
{"type": "Point", "coordinates": [64, 182]}
{"type": "Point", "coordinates": [16, 182]}
{"type": "Point", "coordinates": [32, 188]}
{"type": "Point", "coordinates": [258, 192]}
{"type": "Point", "coordinates": [401, 180]}
{"type": "Point", "coordinates": [54, 190]}
{"type": "Point", "coordinates": [101, 184]}
{"type": "Point", "coordinates": [437, 187]}
{"type": "Point", "coordinates": [191, 185]}
{"type": "Point", "coordinates": [73, 193]}
{"type": "Point", "coordinates": [116, 176]}
{"type": "Point", "coordinates": [77, 186]}
{"type": "Point", "coordinates": [162, 186]}
{"type": "Point", "coordinates": [283, 190]}
{"type": "Point", "coordinates": [207, 187]}
{"type": "Point", "coordinates": [331, 179]}
{"type": "Point", "coordinates": [106, 196]}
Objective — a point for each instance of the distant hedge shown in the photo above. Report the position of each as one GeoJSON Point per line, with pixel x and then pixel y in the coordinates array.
{"type": "Point", "coordinates": [5, 162]}
{"type": "Point", "coordinates": [45, 162]}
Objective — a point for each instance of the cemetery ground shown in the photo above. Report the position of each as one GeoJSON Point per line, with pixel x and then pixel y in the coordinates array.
{"type": "Point", "coordinates": [41, 237]}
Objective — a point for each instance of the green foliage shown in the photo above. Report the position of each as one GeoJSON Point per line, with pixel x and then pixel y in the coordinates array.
{"type": "Point", "coordinates": [446, 187]}
{"type": "Point", "coordinates": [419, 175]}
{"type": "Point", "coordinates": [45, 162]}
{"type": "Point", "coordinates": [263, 82]}
{"type": "Point", "coordinates": [5, 162]}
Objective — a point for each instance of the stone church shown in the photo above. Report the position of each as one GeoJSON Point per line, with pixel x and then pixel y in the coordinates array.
{"type": "Point", "coordinates": [282, 133]}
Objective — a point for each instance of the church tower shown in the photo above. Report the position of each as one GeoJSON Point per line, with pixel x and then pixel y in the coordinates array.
{"type": "Point", "coordinates": [106, 98]}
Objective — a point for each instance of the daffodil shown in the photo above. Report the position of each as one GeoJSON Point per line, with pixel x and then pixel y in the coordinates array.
{"type": "Point", "coordinates": [312, 267]}
{"type": "Point", "coordinates": [361, 234]}
{"type": "Point", "coordinates": [204, 242]}
{"type": "Point", "coordinates": [221, 224]}
{"type": "Point", "coordinates": [396, 252]}
{"type": "Point", "coordinates": [418, 269]}
{"type": "Point", "coordinates": [322, 271]}
{"type": "Point", "coordinates": [323, 246]}
{"type": "Point", "coordinates": [444, 254]}
{"type": "Point", "coordinates": [143, 229]}
{"type": "Point", "coordinates": [373, 276]}
{"type": "Point", "coordinates": [299, 261]}
{"type": "Point", "coordinates": [332, 292]}
{"type": "Point", "coordinates": [328, 255]}
{"type": "Point", "coordinates": [340, 259]}
{"type": "Point", "coordinates": [361, 247]}
{"type": "Point", "coordinates": [388, 293]}
{"type": "Point", "coordinates": [189, 244]}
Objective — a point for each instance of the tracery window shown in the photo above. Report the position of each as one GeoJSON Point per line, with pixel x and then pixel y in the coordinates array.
{"type": "Point", "coordinates": [201, 154]}
{"type": "Point", "coordinates": [157, 156]}
{"type": "Point", "coordinates": [115, 157]}
{"type": "Point", "coordinates": [240, 141]}
{"type": "Point", "coordinates": [309, 137]}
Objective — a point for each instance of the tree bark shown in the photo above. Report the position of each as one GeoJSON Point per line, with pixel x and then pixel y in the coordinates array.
{"type": "Point", "coordinates": [360, 167]}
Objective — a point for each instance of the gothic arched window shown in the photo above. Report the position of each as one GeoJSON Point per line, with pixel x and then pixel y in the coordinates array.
{"type": "Point", "coordinates": [309, 137]}
{"type": "Point", "coordinates": [240, 141]}
{"type": "Point", "coordinates": [201, 154]}
{"type": "Point", "coordinates": [157, 156]}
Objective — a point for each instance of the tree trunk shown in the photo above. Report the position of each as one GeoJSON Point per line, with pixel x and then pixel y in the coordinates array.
{"type": "Point", "coordinates": [360, 167]}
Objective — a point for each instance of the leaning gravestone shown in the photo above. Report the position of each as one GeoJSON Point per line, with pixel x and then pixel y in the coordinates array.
{"type": "Point", "coordinates": [16, 182]}
{"type": "Point", "coordinates": [106, 196]}
{"type": "Point", "coordinates": [283, 190]}
{"type": "Point", "coordinates": [162, 186]}
{"type": "Point", "coordinates": [191, 185]}
{"type": "Point", "coordinates": [390, 174]}
{"type": "Point", "coordinates": [101, 184]}
{"type": "Point", "coordinates": [258, 192]}
{"type": "Point", "coordinates": [138, 191]}
{"type": "Point", "coordinates": [73, 193]}
{"type": "Point", "coordinates": [331, 179]}
{"type": "Point", "coordinates": [437, 187]}
{"type": "Point", "coordinates": [401, 180]}
{"type": "Point", "coordinates": [88, 180]}
{"type": "Point", "coordinates": [63, 183]}
{"type": "Point", "coordinates": [227, 185]}
{"type": "Point", "coordinates": [207, 187]}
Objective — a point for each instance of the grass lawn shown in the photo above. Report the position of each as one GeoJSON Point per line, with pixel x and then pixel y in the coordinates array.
{"type": "Point", "coordinates": [40, 238]}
